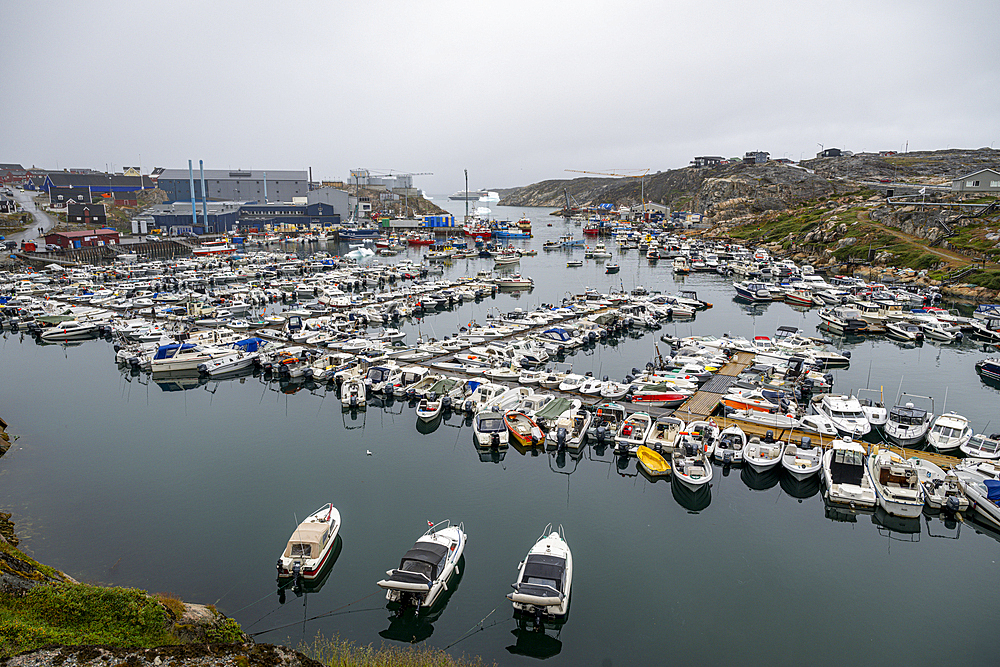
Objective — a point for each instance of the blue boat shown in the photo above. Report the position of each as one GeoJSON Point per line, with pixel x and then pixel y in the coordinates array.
{"type": "Point", "coordinates": [359, 234]}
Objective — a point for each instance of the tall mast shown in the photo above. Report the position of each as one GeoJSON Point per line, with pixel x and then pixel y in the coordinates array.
{"type": "Point", "coordinates": [466, 195]}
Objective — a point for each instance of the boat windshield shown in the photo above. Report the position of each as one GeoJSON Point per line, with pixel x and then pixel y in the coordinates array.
{"type": "Point", "coordinates": [491, 425]}
{"type": "Point", "coordinates": [300, 550]}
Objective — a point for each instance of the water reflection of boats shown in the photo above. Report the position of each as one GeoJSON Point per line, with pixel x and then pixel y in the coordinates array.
{"type": "Point", "coordinates": [411, 625]}
{"type": "Point", "coordinates": [692, 500]}
{"type": "Point", "coordinates": [561, 459]}
{"type": "Point", "coordinates": [428, 427]}
{"type": "Point", "coordinates": [180, 381]}
{"type": "Point", "coordinates": [761, 480]}
{"type": "Point", "coordinates": [534, 644]}
{"type": "Point", "coordinates": [489, 455]}
{"type": "Point", "coordinates": [307, 586]}
{"type": "Point", "coordinates": [901, 528]}
{"type": "Point", "coordinates": [799, 488]}
{"type": "Point", "coordinates": [844, 513]}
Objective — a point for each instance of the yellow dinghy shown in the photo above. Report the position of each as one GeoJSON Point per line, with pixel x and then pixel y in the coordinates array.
{"type": "Point", "coordinates": [652, 462]}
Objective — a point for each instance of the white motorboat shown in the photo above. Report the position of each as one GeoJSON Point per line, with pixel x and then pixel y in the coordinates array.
{"type": "Point", "coordinates": [689, 461]}
{"type": "Point", "coordinates": [949, 432]}
{"type": "Point", "coordinates": [942, 490]}
{"type": "Point", "coordinates": [309, 547]}
{"type": "Point", "coordinates": [424, 570]}
{"type": "Point", "coordinates": [982, 489]}
{"type": "Point", "coordinates": [904, 331]}
{"type": "Point", "coordinates": [981, 446]}
{"type": "Point", "coordinates": [846, 475]}
{"type": "Point", "coordinates": [482, 396]}
{"type": "Point", "coordinates": [509, 399]}
{"type": "Point", "coordinates": [873, 408]}
{"type": "Point", "coordinates": [896, 486]}
{"type": "Point", "coordinates": [907, 425]}
{"type": "Point", "coordinates": [663, 435]}
{"type": "Point", "coordinates": [70, 330]}
{"type": "Point", "coordinates": [763, 454]}
{"type": "Point", "coordinates": [845, 412]}
{"type": "Point", "coordinates": [353, 393]}
{"type": "Point", "coordinates": [572, 382]}
{"type": "Point", "coordinates": [702, 434]}
{"type": "Point", "coordinates": [817, 423]}
{"type": "Point", "coordinates": [179, 357]}
{"type": "Point", "coordinates": [802, 460]}
{"type": "Point", "coordinates": [633, 432]}
{"type": "Point", "coordinates": [571, 428]}
{"type": "Point", "coordinates": [489, 430]}
{"type": "Point", "coordinates": [775, 420]}
{"type": "Point", "coordinates": [732, 442]}
{"type": "Point", "coordinates": [544, 579]}
{"type": "Point", "coordinates": [430, 407]}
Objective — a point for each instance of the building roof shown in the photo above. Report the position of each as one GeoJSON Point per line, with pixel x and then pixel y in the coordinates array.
{"type": "Point", "coordinates": [62, 179]}
{"type": "Point", "coordinates": [85, 232]}
{"type": "Point", "coordinates": [237, 174]}
{"type": "Point", "coordinates": [976, 173]}
{"type": "Point", "coordinates": [10, 166]}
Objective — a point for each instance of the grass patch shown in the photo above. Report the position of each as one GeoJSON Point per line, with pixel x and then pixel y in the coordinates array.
{"type": "Point", "coordinates": [81, 614]}
{"type": "Point", "coordinates": [989, 279]}
{"type": "Point", "coordinates": [336, 652]}
{"type": "Point", "coordinates": [173, 604]}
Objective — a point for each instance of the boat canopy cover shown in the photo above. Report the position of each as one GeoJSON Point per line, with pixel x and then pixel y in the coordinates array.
{"type": "Point", "coordinates": [993, 490]}
{"type": "Point", "coordinates": [423, 559]}
{"type": "Point", "coordinates": [554, 408]}
{"type": "Point", "coordinates": [543, 570]}
{"type": "Point", "coordinates": [166, 351]}
{"type": "Point", "coordinates": [307, 541]}
{"type": "Point", "coordinates": [250, 344]}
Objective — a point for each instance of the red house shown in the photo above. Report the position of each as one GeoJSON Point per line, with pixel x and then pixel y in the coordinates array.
{"type": "Point", "coordinates": [84, 238]}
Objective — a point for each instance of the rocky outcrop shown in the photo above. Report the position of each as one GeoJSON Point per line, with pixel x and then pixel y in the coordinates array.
{"type": "Point", "coordinates": [185, 655]}
{"type": "Point", "coordinates": [923, 166]}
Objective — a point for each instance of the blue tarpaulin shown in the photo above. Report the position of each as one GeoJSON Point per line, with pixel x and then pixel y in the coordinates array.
{"type": "Point", "coordinates": [993, 490]}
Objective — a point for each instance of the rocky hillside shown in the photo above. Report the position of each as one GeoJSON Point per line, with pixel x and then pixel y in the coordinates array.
{"type": "Point", "coordinates": [745, 188]}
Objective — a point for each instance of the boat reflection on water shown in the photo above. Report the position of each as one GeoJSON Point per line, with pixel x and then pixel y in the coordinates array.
{"type": "Point", "coordinates": [692, 501]}
{"type": "Point", "coordinates": [534, 450]}
{"type": "Point", "coordinates": [306, 586]}
{"type": "Point", "coordinates": [844, 514]}
{"type": "Point", "coordinates": [950, 528]}
{"type": "Point", "coordinates": [799, 488]}
{"type": "Point", "coordinates": [295, 385]}
{"type": "Point", "coordinates": [534, 643]}
{"type": "Point", "coordinates": [901, 529]}
{"type": "Point", "coordinates": [760, 481]}
{"type": "Point", "coordinates": [180, 381]}
{"type": "Point", "coordinates": [408, 625]}
{"type": "Point", "coordinates": [561, 459]}
{"type": "Point", "coordinates": [489, 454]}
{"type": "Point", "coordinates": [428, 427]}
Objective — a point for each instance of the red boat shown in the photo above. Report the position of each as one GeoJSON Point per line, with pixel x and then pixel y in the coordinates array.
{"type": "Point", "coordinates": [666, 399]}
{"type": "Point", "coordinates": [478, 232]}
{"type": "Point", "coordinates": [420, 240]}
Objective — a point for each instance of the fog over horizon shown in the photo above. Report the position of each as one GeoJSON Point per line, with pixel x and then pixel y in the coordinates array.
{"type": "Point", "coordinates": [516, 92]}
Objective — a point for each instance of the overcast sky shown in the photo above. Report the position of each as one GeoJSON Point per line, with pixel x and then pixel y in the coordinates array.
{"type": "Point", "coordinates": [516, 92]}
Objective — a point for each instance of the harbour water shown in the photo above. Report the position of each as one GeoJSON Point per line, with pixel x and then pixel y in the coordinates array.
{"type": "Point", "coordinates": [193, 489]}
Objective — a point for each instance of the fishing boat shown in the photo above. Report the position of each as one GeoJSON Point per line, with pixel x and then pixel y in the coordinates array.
{"type": "Point", "coordinates": [353, 393]}
{"type": "Point", "coordinates": [652, 462]}
{"type": "Point", "coordinates": [989, 368]}
{"type": "Point", "coordinates": [846, 475]}
{"type": "Point", "coordinates": [803, 460]}
{"type": "Point", "coordinates": [665, 399]}
{"type": "Point", "coordinates": [612, 268]}
{"type": "Point", "coordinates": [544, 579]}
{"type": "Point", "coordinates": [607, 417]}
{"type": "Point", "coordinates": [490, 430]}
{"type": "Point", "coordinates": [523, 429]}
{"type": "Point", "coordinates": [664, 434]}
{"type": "Point", "coordinates": [219, 247]}
{"type": "Point", "coordinates": [310, 545]}
{"type": "Point", "coordinates": [424, 570]}
{"type": "Point", "coordinates": [430, 407]}
{"type": "Point", "coordinates": [895, 481]}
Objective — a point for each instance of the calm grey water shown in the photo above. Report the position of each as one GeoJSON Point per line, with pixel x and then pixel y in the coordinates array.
{"type": "Point", "coordinates": [116, 480]}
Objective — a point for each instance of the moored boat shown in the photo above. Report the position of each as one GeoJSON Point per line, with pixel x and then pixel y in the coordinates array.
{"type": "Point", "coordinates": [424, 570]}
{"type": "Point", "coordinates": [544, 579]}
{"type": "Point", "coordinates": [310, 545]}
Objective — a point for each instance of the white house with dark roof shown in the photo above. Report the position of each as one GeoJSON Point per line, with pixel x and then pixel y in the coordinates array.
{"type": "Point", "coordinates": [984, 181]}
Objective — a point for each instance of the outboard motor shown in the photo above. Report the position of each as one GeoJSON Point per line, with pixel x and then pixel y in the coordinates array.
{"type": "Point", "coordinates": [495, 440]}
{"type": "Point", "coordinates": [354, 401]}
{"type": "Point", "coordinates": [806, 442]}
{"type": "Point", "coordinates": [561, 436]}
{"type": "Point", "coordinates": [769, 437]}
{"type": "Point", "coordinates": [602, 433]}
{"type": "Point", "coordinates": [952, 504]}
{"type": "Point", "coordinates": [469, 405]}
{"type": "Point", "coordinates": [446, 403]}
{"type": "Point", "coordinates": [689, 449]}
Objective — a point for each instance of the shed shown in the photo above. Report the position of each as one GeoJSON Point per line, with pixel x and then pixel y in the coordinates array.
{"type": "Point", "coordinates": [84, 238]}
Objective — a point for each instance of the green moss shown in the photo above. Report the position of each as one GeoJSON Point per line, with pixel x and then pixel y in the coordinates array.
{"type": "Point", "coordinates": [226, 631]}
{"type": "Point", "coordinates": [81, 614]}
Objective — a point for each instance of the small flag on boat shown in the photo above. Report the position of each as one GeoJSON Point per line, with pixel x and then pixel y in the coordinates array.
{"type": "Point", "coordinates": [430, 523]}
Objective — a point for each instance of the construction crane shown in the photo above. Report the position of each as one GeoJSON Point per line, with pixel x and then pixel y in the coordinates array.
{"type": "Point", "coordinates": [642, 181]}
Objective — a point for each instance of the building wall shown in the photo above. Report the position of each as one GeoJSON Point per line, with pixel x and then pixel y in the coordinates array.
{"type": "Point", "coordinates": [986, 181]}
{"type": "Point", "coordinates": [235, 189]}
{"type": "Point", "coordinates": [339, 199]}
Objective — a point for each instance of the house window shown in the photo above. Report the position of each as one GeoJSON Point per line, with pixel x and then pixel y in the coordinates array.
{"type": "Point", "coordinates": [995, 184]}
{"type": "Point", "coordinates": [972, 184]}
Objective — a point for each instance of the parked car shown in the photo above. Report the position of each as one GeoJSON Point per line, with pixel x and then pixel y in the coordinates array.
{"type": "Point", "coordinates": [153, 237]}
{"type": "Point", "coordinates": [52, 247]}
{"type": "Point", "coordinates": [10, 245]}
